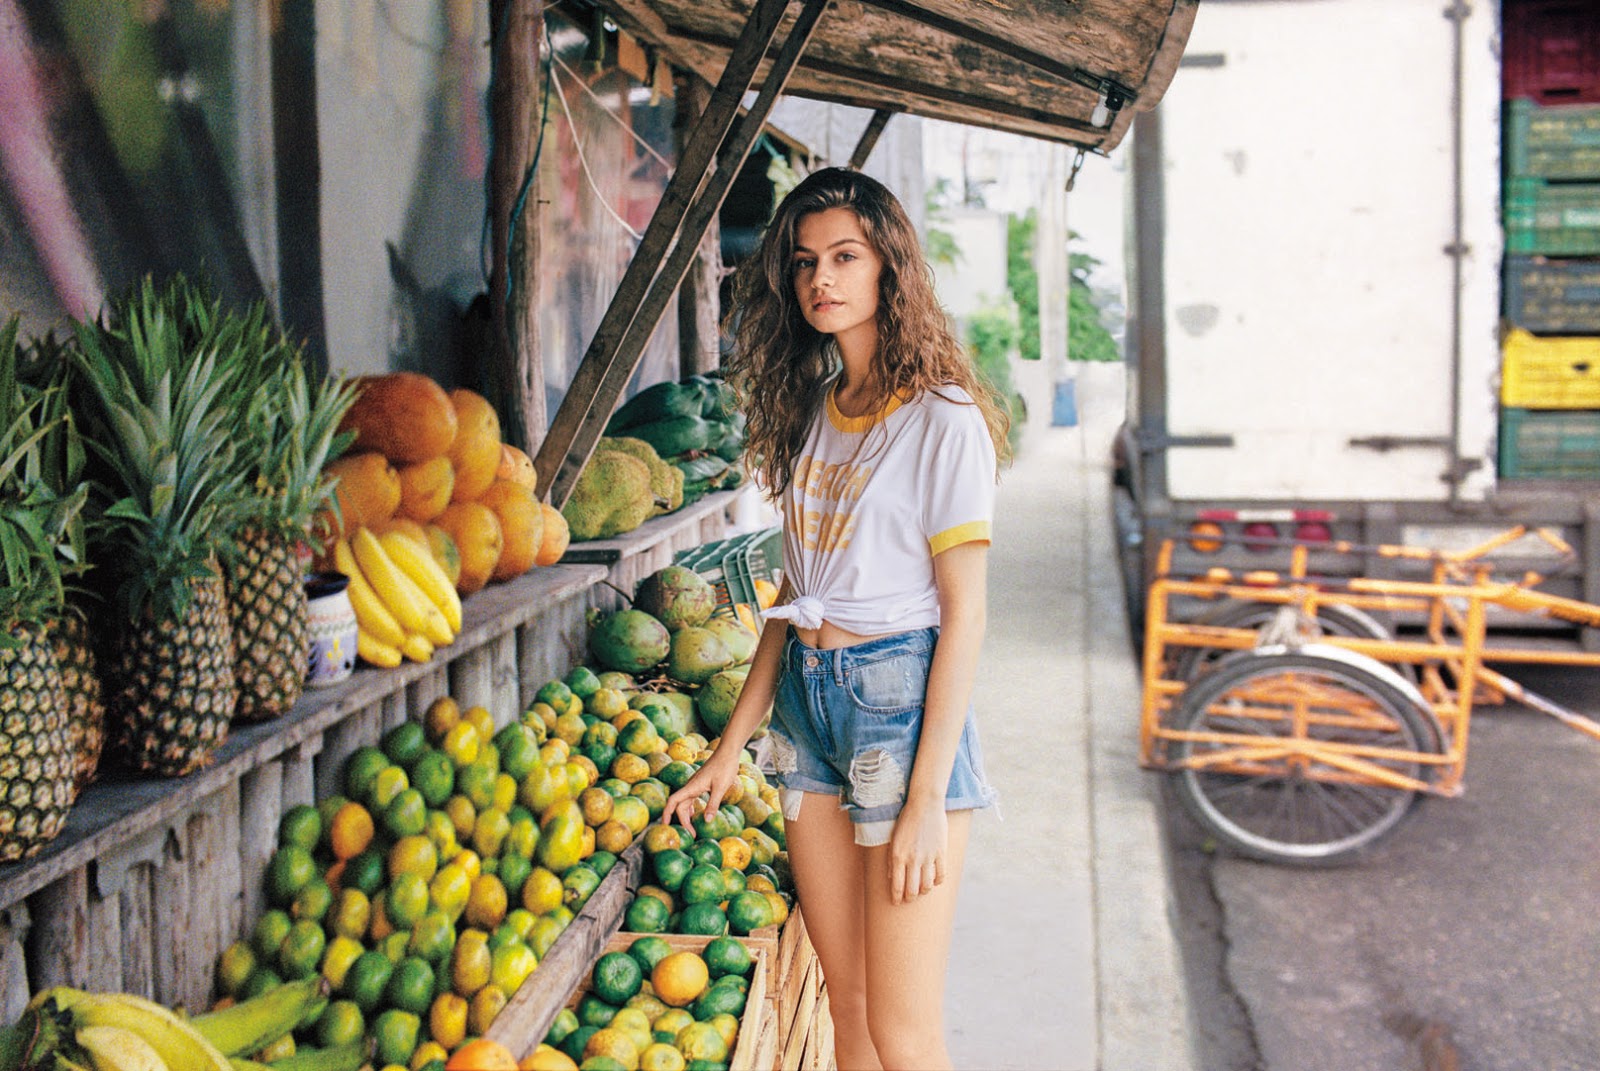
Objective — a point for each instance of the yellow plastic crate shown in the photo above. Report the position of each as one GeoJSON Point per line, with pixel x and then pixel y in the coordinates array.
{"type": "Point", "coordinates": [1549, 373]}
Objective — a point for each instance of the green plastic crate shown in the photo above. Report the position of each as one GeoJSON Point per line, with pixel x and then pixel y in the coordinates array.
{"type": "Point", "coordinates": [1550, 444]}
{"type": "Point", "coordinates": [732, 566]}
{"type": "Point", "coordinates": [1552, 141]}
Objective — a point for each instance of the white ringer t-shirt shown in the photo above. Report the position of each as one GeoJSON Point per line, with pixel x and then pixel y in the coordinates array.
{"type": "Point", "coordinates": [873, 500]}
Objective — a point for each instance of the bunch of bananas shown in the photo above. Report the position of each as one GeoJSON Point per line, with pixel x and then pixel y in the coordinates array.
{"type": "Point", "coordinates": [405, 604]}
{"type": "Point", "coordinates": [73, 1030]}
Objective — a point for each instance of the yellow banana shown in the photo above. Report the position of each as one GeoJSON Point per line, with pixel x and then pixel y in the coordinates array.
{"type": "Point", "coordinates": [179, 1045]}
{"type": "Point", "coordinates": [397, 590]}
{"type": "Point", "coordinates": [417, 563]}
{"type": "Point", "coordinates": [116, 1048]}
{"type": "Point", "coordinates": [373, 617]}
{"type": "Point", "coordinates": [250, 1024]}
{"type": "Point", "coordinates": [417, 648]}
{"type": "Point", "coordinates": [376, 652]}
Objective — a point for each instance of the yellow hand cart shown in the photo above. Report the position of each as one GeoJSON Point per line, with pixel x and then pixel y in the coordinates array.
{"type": "Point", "coordinates": [1296, 728]}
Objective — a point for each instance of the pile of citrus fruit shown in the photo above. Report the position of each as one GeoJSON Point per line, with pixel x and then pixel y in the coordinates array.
{"type": "Point", "coordinates": [654, 1008]}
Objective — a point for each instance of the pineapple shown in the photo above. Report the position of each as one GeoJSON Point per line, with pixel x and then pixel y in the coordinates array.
{"type": "Point", "coordinates": [82, 694]}
{"type": "Point", "coordinates": [36, 765]}
{"type": "Point", "coordinates": [156, 398]}
{"type": "Point", "coordinates": [291, 429]}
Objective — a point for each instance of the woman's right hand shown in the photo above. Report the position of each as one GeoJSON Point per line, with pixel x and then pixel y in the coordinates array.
{"type": "Point", "coordinates": [713, 780]}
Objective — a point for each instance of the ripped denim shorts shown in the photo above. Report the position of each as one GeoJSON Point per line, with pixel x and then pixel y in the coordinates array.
{"type": "Point", "coordinates": [846, 722]}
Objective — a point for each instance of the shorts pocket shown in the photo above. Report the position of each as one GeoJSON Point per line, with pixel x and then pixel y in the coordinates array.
{"type": "Point", "coordinates": [891, 686]}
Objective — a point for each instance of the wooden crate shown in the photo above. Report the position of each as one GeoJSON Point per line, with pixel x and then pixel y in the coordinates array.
{"type": "Point", "coordinates": [756, 1047]}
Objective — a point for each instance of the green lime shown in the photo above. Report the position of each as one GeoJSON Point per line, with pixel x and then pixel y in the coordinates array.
{"type": "Point", "coordinates": [329, 807]}
{"type": "Point", "coordinates": [300, 825]}
{"type": "Point", "coordinates": [234, 967]}
{"type": "Point", "coordinates": [661, 716]}
{"type": "Point", "coordinates": [366, 979]}
{"type": "Point", "coordinates": [599, 753]}
{"type": "Point", "coordinates": [734, 980]}
{"type": "Point", "coordinates": [592, 1011]}
{"type": "Point", "coordinates": [514, 870]}
{"type": "Point", "coordinates": [476, 782]}
{"type": "Point", "coordinates": [718, 1000]}
{"type": "Point", "coordinates": [732, 882]}
{"type": "Point", "coordinates": [268, 934]}
{"type": "Point", "coordinates": [434, 775]}
{"type": "Point", "coordinates": [395, 1033]}
{"type": "Point", "coordinates": [577, 1040]}
{"type": "Point", "coordinates": [262, 981]}
{"type": "Point", "coordinates": [615, 787]}
{"type": "Point", "coordinates": [726, 956]}
{"type": "Point", "coordinates": [341, 1023]}
{"type": "Point", "coordinates": [672, 866]}
{"type": "Point", "coordinates": [649, 951]}
{"type": "Point", "coordinates": [707, 852]}
{"type": "Point", "coordinates": [406, 900]}
{"type": "Point", "coordinates": [749, 911]}
{"type": "Point", "coordinates": [505, 934]}
{"type": "Point", "coordinates": [543, 933]}
{"type": "Point", "coordinates": [556, 694]}
{"type": "Point", "coordinates": [600, 1062]}
{"type": "Point", "coordinates": [302, 949]}
{"type": "Point", "coordinates": [646, 914]}
{"type": "Point", "coordinates": [406, 815]}
{"type": "Point", "coordinates": [432, 938]}
{"type": "Point", "coordinates": [773, 827]}
{"type": "Point", "coordinates": [389, 783]}
{"type": "Point", "coordinates": [312, 901]}
{"type": "Point", "coordinates": [288, 871]}
{"type": "Point", "coordinates": [523, 836]}
{"type": "Point", "coordinates": [638, 737]}
{"type": "Point", "coordinates": [580, 883]}
{"type": "Point", "coordinates": [394, 946]}
{"type": "Point", "coordinates": [405, 743]}
{"type": "Point", "coordinates": [410, 987]}
{"type": "Point", "coordinates": [565, 1022]}
{"type": "Point", "coordinates": [519, 750]}
{"type": "Point", "coordinates": [364, 872]}
{"type": "Point", "coordinates": [703, 885]}
{"type": "Point", "coordinates": [601, 862]}
{"type": "Point", "coordinates": [582, 682]}
{"type": "Point", "coordinates": [703, 919]}
{"type": "Point", "coordinates": [361, 769]}
{"type": "Point", "coordinates": [601, 732]}
{"type": "Point", "coordinates": [616, 977]}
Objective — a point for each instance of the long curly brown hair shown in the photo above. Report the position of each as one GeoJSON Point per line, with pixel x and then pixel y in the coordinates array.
{"type": "Point", "coordinates": [781, 364]}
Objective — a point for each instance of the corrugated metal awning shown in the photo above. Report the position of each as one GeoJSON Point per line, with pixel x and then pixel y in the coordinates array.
{"type": "Point", "coordinates": [1063, 70]}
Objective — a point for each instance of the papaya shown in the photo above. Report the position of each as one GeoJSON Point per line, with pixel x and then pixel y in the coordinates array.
{"type": "Point", "coordinates": [368, 491]}
{"type": "Point", "coordinates": [404, 416]}
{"type": "Point", "coordinates": [561, 837]}
{"type": "Point", "coordinates": [475, 453]}
{"type": "Point", "coordinates": [674, 435]}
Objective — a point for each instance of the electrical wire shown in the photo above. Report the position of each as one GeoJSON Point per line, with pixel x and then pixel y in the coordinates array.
{"type": "Point", "coordinates": [583, 161]}
{"type": "Point", "coordinates": [643, 144]}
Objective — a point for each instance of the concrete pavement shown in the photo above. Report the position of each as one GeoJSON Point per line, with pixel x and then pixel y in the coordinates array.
{"type": "Point", "coordinates": [1064, 956]}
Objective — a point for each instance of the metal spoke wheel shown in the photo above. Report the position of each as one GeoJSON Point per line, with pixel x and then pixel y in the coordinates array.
{"type": "Point", "coordinates": [1273, 779]}
{"type": "Point", "coordinates": [1191, 663]}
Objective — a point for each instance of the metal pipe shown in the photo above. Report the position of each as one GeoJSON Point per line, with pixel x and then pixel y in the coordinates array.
{"type": "Point", "coordinates": [1457, 13]}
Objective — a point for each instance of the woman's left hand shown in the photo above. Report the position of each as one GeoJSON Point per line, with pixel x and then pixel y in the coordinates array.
{"type": "Point", "coordinates": [917, 851]}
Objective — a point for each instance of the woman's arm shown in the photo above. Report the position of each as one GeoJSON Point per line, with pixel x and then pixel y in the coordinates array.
{"type": "Point", "coordinates": [917, 847]}
{"type": "Point", "coordinates": [717, 774]}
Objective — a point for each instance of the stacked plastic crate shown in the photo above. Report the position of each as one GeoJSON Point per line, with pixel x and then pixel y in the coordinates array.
{"type": "Point", "coordinates": [1550, 366]}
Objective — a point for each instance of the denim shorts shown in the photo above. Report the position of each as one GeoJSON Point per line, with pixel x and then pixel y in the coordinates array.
{"type": "Point", "coordinates": [846, 722]}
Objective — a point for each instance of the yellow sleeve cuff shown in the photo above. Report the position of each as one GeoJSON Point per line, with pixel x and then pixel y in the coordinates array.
{"type": "Point", "coordinates": [971, 532]}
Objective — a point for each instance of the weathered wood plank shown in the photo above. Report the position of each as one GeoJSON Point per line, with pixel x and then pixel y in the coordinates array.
{"type": "Point", "coordinates": [504, 702]}
{"type": "Point", "coordinates": [58, 938]}
{"type": "Point", "coordinates": [525, 1020]}
{"type": "Point", "coordinates": [139, 938]}
{"type": "Point", "coordinates": [260, 808]}
{"type": "Point", "coordinates": [395, 708]}
{"type": "Point", "coordinates": [300, 773]}
{"type": "Point", "coordinates": [421, 693]}
{"type": "Point", "coordinates": [472, 677]}
{"type": "Point", "coordinates": [230, 875]}
{"type": "Point", "coordinates": [549, 647]}
{"type": "Point", "coordinates": [340, 742]}
{"type": "Point", "coordinates": [212, 867]}
{"type": "Point", "coordinates": [14, 990]}
{"type": "Point", "coordinates": [172, 914]}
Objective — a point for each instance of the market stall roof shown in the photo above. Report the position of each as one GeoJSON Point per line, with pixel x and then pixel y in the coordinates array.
{"type": "Point", "coordinates": [1062, 70]}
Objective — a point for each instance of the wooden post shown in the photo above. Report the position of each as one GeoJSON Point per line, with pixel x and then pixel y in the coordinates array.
{"type": "Point", "coordinates": [869, 138]}
{"type": "Point", "coordinates": [699, 301]}
{"type": "Point", "coordinates": [516, 95]}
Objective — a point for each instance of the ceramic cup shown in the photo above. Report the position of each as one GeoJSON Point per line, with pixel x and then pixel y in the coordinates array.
{"type": "Point", "coordinates": [332, 634]}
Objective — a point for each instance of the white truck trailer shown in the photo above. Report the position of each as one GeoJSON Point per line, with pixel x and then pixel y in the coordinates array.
{"type": "Point", "coordinates": [1315, 293]}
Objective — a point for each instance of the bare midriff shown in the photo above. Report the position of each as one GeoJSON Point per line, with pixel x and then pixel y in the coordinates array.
{"type": "Point", "coordinates": [830, 636]}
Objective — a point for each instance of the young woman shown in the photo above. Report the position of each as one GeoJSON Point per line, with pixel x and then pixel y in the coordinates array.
{"type": "Point", "coordinates": [869, 429]}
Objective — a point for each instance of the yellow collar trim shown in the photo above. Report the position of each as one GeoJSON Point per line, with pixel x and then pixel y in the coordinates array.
{"type": "Point", "coordinates": [860, 423]}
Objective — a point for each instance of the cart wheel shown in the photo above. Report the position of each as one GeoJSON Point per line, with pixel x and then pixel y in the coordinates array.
{"type": "Point", "coordinates": [1292, 808]}
{"type": "Point", "coordinates": [1191, 663]}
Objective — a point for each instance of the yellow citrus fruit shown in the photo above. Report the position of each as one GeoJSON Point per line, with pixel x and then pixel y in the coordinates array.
{"type": "Point", "coordinates": [512, 964]}
{"type": "Point", "coordinates": [427, 1053]}
{"type": "Point", "coordinates": [735, 852]}
{"type": "Point", "coordinates": [463, 815]}
{"type": "Point", "coordinates": [470, 963]}
{"type": "Point", "coordinates": [613, 836]}
{"type": "Point", "coordinates": [484, 1006]}
{"type": "Point", "coordinates": [660, 1056]}
{"type": "Point", "coordinates": [635, 1024]}
{"type": "Point", "coordinates": [480, 719]}
{"type": "Point", "coordinates": [631, 812]}
{"type": "Point", "coordinates": [542, 893]}
{"type": "Point", "coordinates": [678, 979]}
{"type": "Point", "coordinates": [469, 861]}
{"type": "Point", "coordinates": [486, 904]}
{"type": "Point", "coordinates": [415, 854]}
{"type": "Point", "coordinates": [449, 890]}
{"type": "Point", "coordinates": [614, 1044]}
{"type": "Point", "coordinates": [727, 1025]}
{"type": "Point", "coordinates": [548, 1058]}
{"type": "Point", "coordinates": [780, 907]}
{"type": "Point", "coordinates": [630, 768]}
{"type": "Point", "coordinates": [702, 1041]}
{"type": "Point", "coordinates": [462, 743]}
{"type": "Point", "coordinates": [660, 838]}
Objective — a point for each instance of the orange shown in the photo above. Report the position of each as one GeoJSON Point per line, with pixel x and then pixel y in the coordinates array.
{"type": "Point", "coordinates": [404, 415]}
{"type": "Point", "coordinates": [548, 1058]}
{"type": "Point", "coordinates": [368, 490]}
{"type": "Point", "coordinates": [517, 467]}
{"type": "Point", "coordinates": [556, 536]}
{"type": "Point", "coordinates": [351, 832]}
{"type": "Point", "coordinates": [476, 531]}
{"type": "Point", "coordinates": [475, 453]}
{"type": "Point", "coordinates": [521, 527]}
{"type": "Point", "coordinates": [735, 852]}
{"type": "Point", "coordinates": [680, 978]}
{"type": "Point", "coordinates": [444, 552]}
{"type": "Point", "coordinates": [425, 488]}
{"type": "Point", "coordinates": [481, 1054]}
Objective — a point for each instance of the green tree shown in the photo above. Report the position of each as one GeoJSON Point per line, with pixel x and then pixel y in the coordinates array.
{"type": "Point", "coordinates": [1087, 337]}
{"type": "Point", "coordinates": [938, 244]}
{"type": "Point", "coordinates": [1022, 279]}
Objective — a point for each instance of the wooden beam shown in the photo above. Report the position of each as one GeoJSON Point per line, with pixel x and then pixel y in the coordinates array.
{"type": "Point", "coordinates": [869, 137]}
{"type": "Point", "coordinates": [699, 300]}
{"type": "Point", "coordinates": [562, 455]}
{"type": "Point", "coordinates": [705, 208]}
{"type": "Point", "coordinates": [516, 35]}
{"type": "Point", "coordinates": [299, 178]}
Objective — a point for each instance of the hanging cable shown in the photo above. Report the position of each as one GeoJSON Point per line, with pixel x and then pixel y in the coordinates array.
{"type": "Point", "coordinates": [583, 162]}
{"type": "Point", "coordinates": [643, 144]}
